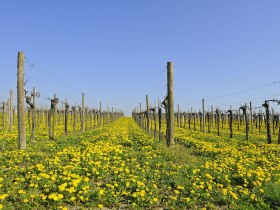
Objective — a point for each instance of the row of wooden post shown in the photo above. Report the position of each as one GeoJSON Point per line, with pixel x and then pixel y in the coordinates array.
{"type": "Point", "coordinates": [145, 118]}
{"type": "Point", "coordinates": [84, 114]}
{"type": "Point", "coordinates": [206, 120]}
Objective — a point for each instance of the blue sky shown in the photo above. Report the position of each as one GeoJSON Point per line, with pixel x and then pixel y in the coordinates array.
{"type": "Point", "coordinates": [116, 51]}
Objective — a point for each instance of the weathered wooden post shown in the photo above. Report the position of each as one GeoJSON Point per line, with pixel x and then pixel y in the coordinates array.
{"type": "Point", "coordinates": [74, 110]}
{"type": "Point", "coordinates": [83, 113]}
{"type": "Point", "coordinates": [3, 115]}
{"type": "Point", "coordinates": [279, 133]}
{"type": "Point", "coordinates": [66, 117]}
{"type": "Point", "coordinates": [100, 112]}
{"type": "Point", "coordinates": [272, 117]}
{"type": "Point", "coordinates": [178, 116]}
{"type": "Point", "coordinates": [170, 103]}
{"type": "Point", "coordinates": [20, 101]}
{"type": "Point", "coordinates": [230, 123]}
{"type": "Point", "coordinates": [55, 113]}
{"type": "Point", "coordinates": [266, 106]}
{"type": "Point", "coordinates": [159, 119]}
{"type": "Point", "coordinates": [33, 110]}
{"type": "Point", "coordinates": [218, 121]}
{"type": "Point", "coordinates": [194, 121]}
{"type": "Point", "coordinates": [251, 117]}
{"type": "Point", "coordinates": [209, 122]}
{"type": "Point", "coordinates": [147, 114]}
{"type": "Point", "coordinates": [141, 122]}
{"type": "Point", "coordinates": [203, 115]}
{"type": "Point", "coordinates": [155, 120]}
{"type": "Point", "coordinates": [51, 117]}
{"type": "Point", "coordinates": [190, 119]}
{"type": "Point", "coordinates": [11, 110]}
{"type": "Point", "coordinates": [244, 109]}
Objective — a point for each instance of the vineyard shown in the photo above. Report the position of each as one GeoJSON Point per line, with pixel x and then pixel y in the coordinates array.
{"type": "Point", "coordinates": [77, 157]}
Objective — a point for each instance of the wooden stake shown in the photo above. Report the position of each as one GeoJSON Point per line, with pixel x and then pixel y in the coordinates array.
{"type": "Point", "coordinates": [33, 115]}
{"type": "Point", "coordinates": [100, 113]}
{"type": "Point", "coordinates": [83, 113]}
{"type": "Point", "coordinates": [11, 110]}
{"type": "Point", "coordinates": [203, 115]}
{"type": "Point", "coordinates": [251, 117]}
{"type": "Point", "coordinates": [20, 101]}
{"type": "Point", "coordinates": [147, 113]}
{"type": "Point", "coordinates": [159, 119]}
{"type": "Point", "coordinates": [170, 102]}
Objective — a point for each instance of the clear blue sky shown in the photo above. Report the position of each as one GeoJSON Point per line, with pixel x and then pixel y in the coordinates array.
{"type": "Point", "coordinates": [116, 51]}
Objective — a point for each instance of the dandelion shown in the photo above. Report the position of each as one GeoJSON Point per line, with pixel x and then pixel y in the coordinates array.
{"type": "Point", "coordinates": [176, 192]}
{"type": "Point", "coordinates": [187, 199]}
{"type": "Point", "coordinates": [155, 200]}
{"type": "Point", "coordinates": [101, 192]}
{"type": "Point", "coordinates": [21, 192]}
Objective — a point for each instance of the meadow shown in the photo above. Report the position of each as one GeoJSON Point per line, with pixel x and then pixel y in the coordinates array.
{"type": "Point", "coordinates": [121, 166]}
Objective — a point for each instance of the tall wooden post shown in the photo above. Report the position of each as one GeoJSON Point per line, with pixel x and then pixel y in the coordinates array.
{"type": "Point", "coordinates": [170, 102]}
{"type": "Point", "coordinates": [203, 115]}
{"type": "Point", "coordinates": [20, 101]}
{"type": "Point", "coordinates": [11, 110]}
{"type": "Point", "coordinates": [83, 113]}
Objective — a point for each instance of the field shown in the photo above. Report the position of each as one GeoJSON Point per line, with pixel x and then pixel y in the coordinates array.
{"type": "Point", "coordinates": [121, 166]}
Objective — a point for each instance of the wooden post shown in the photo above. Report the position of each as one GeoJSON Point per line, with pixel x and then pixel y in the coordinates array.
{"type": "Point", "coordinates": [20, 101]}
{"type": "Point", "coordinates": [55, 113]}
{"type": "Point", "coordinates": [141, 122]}
{"type": "Point", "coordinates": [266, 106]}
{"type": "Point", "coordinates": [251, 117]}
{"type": "Point", "coordinates": [11, 110]}
{"type": "Point", "coordinates": [3, 115]}
{"type": "Point", "coordinates": [203, 115]}
{"type": "Point", "coordinates": [147, 114]}
{"type": "Point", "coordinates": [212, 115]}
{"type": "Point", "coordinates": [66, 117]}
{"type": "Point", "coordinates": [170, 102]}
{"type": "Point", "coordinates": [178, 116]}
{"type": "Point", "coordinates": [278, 132]}
{"type": "Point", "coordinates": [247, 123]}
{"type": "Point", "coordinates": [230, 123]}
{"type": "Point", "coordinates": [272, 117]}
{"type": "Point", "coordinates": [33, 114]}
{"type": "Point", "coordinates": [100, 110]}
{"type": "Point", "coordinates": [218, 121]}
{"type": "Point", "coordinates": [83, 113]}
{"type": "Point", "coordinates": [159, 119]}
